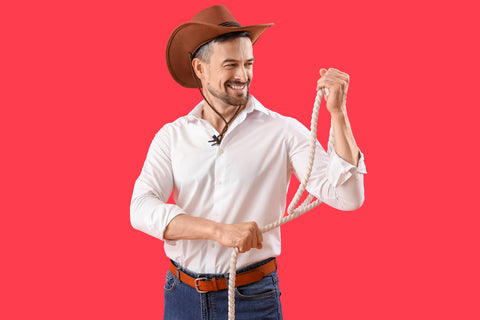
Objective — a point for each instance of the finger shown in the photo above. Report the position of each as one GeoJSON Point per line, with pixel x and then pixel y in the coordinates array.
{"type": "Point", "coordinates": [320, 83]}
{"type": "Point", "coordinates": [259, 245]}
{"type": "Point", "coordinates": [322, 72]}
{"type": "Point", "coordinates": [336, 71]}
{"type": "Point", "coordinates": [260, 235]}
{"type": "Point", "coordinates": [253, 241]}
{"type": "Point", "coordinates": [241, 244]}
{"type": "Point", "coordinates": [259, 239]}
{"type": "Point", "coordinates": [344, 77]}
{"type": "Point", "coordinates": [339, 74]}
{"type": "Point", "coordinates": [237, 244]}
{"type": "Point", "coordinates": [335, 81]}
{"type": "Point", "coordinates": [333, 70]}
{"type": "Point", "coordinates": [241, 247]}
{"type": "Point", "coordinates": [324, 88]}
{"type": "Point", "coordinates": [326, 92]}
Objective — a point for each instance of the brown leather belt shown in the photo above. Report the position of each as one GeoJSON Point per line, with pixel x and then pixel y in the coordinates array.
{"type": "Point", "coordinates": [203, 285]}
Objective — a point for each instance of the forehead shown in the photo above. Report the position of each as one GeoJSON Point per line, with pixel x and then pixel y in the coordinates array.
{"type": "Point", "coordinates": [232, 49]}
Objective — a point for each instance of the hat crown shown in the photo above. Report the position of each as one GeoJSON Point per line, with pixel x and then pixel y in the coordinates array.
{"type": "Point", "coordinates": [217, 15]}
{"type": "Point", "coordinates": [205, 26]}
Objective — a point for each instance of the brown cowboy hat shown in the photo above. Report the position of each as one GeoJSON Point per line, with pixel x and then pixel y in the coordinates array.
{"type": "Point", "coordinates": [205, 26]}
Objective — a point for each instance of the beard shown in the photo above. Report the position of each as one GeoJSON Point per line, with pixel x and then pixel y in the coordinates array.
{"type": "Point", "coordinates": [232, 99]}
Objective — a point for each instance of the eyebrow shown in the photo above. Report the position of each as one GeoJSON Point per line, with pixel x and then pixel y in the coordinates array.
{"type": "Point", "coordinates": [233, 60]}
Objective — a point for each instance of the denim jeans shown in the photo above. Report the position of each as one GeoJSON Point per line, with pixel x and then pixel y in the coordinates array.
{"type": "Point", "coordinates": [259, 300]}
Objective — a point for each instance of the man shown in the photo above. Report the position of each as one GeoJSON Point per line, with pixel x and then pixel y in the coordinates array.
{"type": "Point", "coordinates": [229, 163]}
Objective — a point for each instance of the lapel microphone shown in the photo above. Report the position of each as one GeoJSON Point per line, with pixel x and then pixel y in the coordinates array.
{"type": "Point", "coordinates": [215, 139]}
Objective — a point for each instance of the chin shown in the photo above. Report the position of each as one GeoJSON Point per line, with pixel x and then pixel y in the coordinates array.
{"type": "Point", "coordinates": [240, 101]}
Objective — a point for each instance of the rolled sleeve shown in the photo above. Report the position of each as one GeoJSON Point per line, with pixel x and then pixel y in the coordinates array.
{"type": "Point", "coordinates": [149, 210]}
{"type": "Point", "coordinates": [150, 214]}
{"type": "Point", "coordinates": [340, 170]}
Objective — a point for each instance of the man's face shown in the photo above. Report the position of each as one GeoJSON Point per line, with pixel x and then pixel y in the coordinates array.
{"type": "Point", "coordinates": [229, 71]}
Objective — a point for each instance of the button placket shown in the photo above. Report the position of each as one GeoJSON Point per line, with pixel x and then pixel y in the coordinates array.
{"type": "Point", "coordinates": [219, 167]}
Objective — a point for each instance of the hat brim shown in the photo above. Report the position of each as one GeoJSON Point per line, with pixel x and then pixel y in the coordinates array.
{"type": "Point", "coordinates": [188, 37]}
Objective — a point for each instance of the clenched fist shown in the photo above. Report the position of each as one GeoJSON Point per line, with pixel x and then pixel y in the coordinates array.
{"type": "Point", "coordinates": [243, 236]}
{"type": "Point", "coordinates": [336, 82]}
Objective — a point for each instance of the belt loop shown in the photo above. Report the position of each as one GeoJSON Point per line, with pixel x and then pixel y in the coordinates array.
{"type": "Point", "coordinates": [178, 275]}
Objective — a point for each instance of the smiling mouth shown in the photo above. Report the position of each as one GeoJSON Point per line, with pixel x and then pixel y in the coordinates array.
{"type": "Point", "coordinates": [237, 86]}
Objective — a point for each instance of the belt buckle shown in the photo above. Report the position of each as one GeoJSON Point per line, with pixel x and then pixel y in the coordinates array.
{"type": "Point", "coordinates": [196, 285]}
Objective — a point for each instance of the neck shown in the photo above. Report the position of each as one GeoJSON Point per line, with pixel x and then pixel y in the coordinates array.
{"type": "Point", "coordinates": [213, 118]}
{"type": "Point", "coordinates": [227, 112]}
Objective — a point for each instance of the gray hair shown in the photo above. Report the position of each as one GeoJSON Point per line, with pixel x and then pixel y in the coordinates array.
{"type": "Point", "coordinates": [203, 53]}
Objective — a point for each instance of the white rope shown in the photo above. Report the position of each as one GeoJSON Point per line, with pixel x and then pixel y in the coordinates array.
{"type": "Point", "coordinates": [293, 212]}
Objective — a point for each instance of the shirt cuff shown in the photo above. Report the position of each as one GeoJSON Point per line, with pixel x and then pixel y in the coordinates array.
{"type": "Point", "coordinates": [176, 212]}
{"type": "Point", "coordinates": [340, 170]}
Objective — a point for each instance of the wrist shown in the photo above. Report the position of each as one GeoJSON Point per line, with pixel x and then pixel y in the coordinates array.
{"type": "Point", "coordinates": [340, 114]}
{"type": "Point", "coordinates": [216, 231]}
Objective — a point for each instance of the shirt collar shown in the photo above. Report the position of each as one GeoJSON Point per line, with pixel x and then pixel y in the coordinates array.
{"type": "Point", "coordinates": [252, 105]}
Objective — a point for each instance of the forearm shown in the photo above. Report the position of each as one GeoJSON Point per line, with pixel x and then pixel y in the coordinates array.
{"type": "Point", "coordinates": [244, 235]}
{"type": "Point", "coordinates": [344, 141]}
{"type": "Point", "coordinates": [191, 228]}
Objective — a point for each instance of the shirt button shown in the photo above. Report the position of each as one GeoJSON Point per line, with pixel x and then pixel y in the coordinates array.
{"type": "Point", "coordinates": [220, 151]}
{"type": "Point", "coordinates": [219, 182]}
{"type": "Point", "coordinates": [212, 245]}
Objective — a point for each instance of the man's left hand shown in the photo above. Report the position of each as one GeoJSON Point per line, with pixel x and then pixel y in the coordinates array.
{"type": "Point", "coordinates": [336, 82]}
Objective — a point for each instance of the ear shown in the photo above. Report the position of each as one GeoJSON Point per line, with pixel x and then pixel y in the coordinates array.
{"type": "Point", "coordinates": [199, 68]}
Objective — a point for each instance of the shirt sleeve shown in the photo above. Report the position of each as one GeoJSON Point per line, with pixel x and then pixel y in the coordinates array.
{"type": "Point", "coordinates": [333, 180]}
{"type": "Point", "coordinates": [149, 210]}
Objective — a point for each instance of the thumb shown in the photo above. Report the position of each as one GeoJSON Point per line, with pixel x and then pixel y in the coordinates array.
{"type": "Point", "coordinates": [322, 72]}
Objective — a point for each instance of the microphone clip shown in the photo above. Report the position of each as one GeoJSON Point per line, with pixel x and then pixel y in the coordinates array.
{"type": "Point", "coordinates": [216, 140]}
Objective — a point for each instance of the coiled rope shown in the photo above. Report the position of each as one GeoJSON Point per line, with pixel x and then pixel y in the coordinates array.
{"type": "Point", "coordinates": [293, 212]}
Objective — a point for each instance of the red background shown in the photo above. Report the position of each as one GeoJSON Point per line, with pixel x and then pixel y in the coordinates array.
{"type": "Point", "coordinates": [84, 88]}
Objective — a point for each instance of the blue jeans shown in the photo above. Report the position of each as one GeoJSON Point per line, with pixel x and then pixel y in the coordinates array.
{"type": "Point", "coordinates": [259, 300]}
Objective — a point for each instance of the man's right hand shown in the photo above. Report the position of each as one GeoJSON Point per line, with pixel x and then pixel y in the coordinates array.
{"type": "Point", "coordinates": [244, 236]}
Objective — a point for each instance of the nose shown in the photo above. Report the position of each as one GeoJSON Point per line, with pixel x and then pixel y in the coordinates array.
{"type": "Point", "coordinates": [241, 74]}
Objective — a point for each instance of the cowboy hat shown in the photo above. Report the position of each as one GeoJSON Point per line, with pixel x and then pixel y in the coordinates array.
{"type": "Point", "coordinates": [204, 27]}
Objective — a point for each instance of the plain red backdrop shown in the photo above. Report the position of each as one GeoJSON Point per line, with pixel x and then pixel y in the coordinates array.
{"type": "Point", "coordinates": [84, 89]}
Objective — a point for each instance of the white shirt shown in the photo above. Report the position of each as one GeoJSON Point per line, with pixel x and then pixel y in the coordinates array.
{"type": "Point", "coordinates": [244, 179]}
